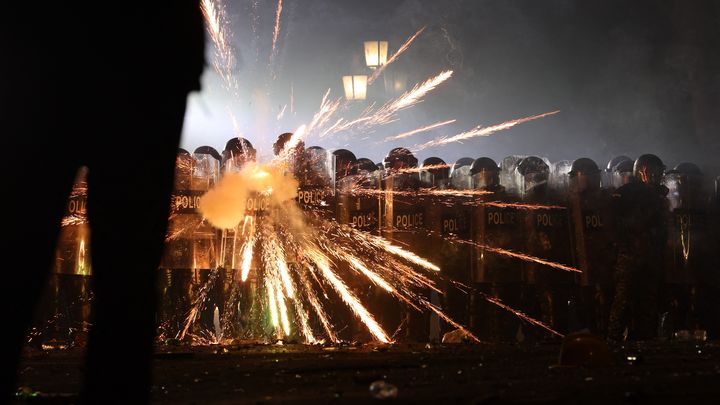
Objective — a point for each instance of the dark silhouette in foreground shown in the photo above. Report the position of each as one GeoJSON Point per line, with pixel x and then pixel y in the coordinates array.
{"type": "Point", "coordinates": [81, 85]}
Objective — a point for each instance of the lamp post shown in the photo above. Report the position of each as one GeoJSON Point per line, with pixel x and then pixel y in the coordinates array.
{"type": "Point", "coordinates": [376, 53]}
{"type": "Point", "coordinates": [355, 87]}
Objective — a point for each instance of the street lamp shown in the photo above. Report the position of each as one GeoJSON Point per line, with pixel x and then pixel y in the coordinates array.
{"type": "Point", "coordinates": [376, 53]}
{"type": "Point", "coordinates": [355, 87]}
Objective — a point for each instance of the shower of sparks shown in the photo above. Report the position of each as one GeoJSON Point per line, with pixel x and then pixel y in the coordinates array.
{"type": "Point", "coordinates": [392, 59]}
{"type": "Point", "coordinates": [304, 260]}
{"type": "Point", "coordinates": [521, 315]}
{"type": "Point", "coordinates": [276, 30]}
{"type": "Point", "coordinates": [419, 130]}
{"type": "Point", "coordinates": [480, 131]}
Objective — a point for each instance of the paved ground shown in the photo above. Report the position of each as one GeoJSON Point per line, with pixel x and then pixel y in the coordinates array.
{"type": "Point", "coordinates": [666, 372]}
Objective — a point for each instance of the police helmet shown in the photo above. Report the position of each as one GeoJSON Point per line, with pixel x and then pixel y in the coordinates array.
{"type": "Point", "coordinates": [615, 161]}
{"type": "Point", "coordinates": [345, 163]}
{"type": "Point", "coordinates": [460, 173]}
{"type": "Point", "coordinates": [207, 150]}
{"type": "Point", "coordinates": [282, 139]}
{"type": "Point", "coordinates": [584, 175]}
{"type": "Point", "coordinates": [436, 172]}
{"type": "Point", "coordinates": [649, 169]}
{"type": "Point", "coordinates": [366, 164]}
{"type": "Point", "coordinates": [399, 158]}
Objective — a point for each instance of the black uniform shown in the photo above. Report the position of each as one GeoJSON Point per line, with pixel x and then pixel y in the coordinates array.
{"type": "Point", "coordinates": [71, 98]}
{"type": "Point", "coordinates": [494, 275]}
{"type": "Point", "coordinates": [640, 214]}
{"type": "Point", "coordinates": [447, 218]}
{"type": "Point", "coordinates": [687, 247]}
{"type": "Point", "coordinates": [593, 245]}
{"type": "Point", "coordinates": [547, 290]}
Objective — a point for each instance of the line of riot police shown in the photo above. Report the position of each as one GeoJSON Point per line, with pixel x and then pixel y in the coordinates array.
{"type": "Point", "coordinates": [640, 236]}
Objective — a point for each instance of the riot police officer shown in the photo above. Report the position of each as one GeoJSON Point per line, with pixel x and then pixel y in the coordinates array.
{"type": "Point", "coordinates": [316, 183]}
{"type": "Point", "coordinates": [548, 290]}
{"type": "Point", "coordinates": [238, 152]}
{"type": "Point", "coordinates": [594, 251]}
{"type": "Point", "coordinates": [404, 220]}
{"type": "Point", "coordinates": [294, 157]}
{"type": "Point", "coordinates": [640, 213]}
{"type": "Point", "coordinates": [442, 220]}
{"type": "Point", "coordinates": [436, 174]}
{"type": "Point", "coordinates": [687, 247]}
{"type": "Point", "coordinates": [610, 178]}
{"type": "Point", "coordinates": [494, 275]}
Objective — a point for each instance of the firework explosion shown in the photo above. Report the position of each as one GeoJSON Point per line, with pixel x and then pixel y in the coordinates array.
{"type": "Point", "coordinates": [302, 263]}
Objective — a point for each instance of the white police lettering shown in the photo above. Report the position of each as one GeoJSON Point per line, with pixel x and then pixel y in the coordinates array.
{"type": "Point", "coordinates": [311, 197]}
{"type": "Point", "coordinates": [363, 220]}
{"type": "Point", "coordinates": [545, 219]}
{"type": "Point", "coordinates": [187, 201]}
{"type": "Point", "coordinates": [501, 218]}
{"type": "Point", "coordinates": [255, 204]}
{"type": "Point", "coordinates": [409, 220]}
{"type": "Point", "coordinates": [450, 225]}
{"type": "Point", "coordinates": [593, 221]}
{"type": "Point", "coordinates": [683, 219]}
{"type": "Point", "coordinates": [77, 206]}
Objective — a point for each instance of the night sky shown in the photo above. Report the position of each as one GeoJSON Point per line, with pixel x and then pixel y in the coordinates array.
{"type": "Point", "coordinates": [629, 77]}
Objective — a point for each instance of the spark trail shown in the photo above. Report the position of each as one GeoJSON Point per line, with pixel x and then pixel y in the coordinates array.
{"type": "Point", "coordinates": [520, 314]}
{"type": "Point", "coordinates": [397, 54]}
{"type": "Point", "coordinates": [419, 130]}
{"type": "Point", "coordinates": [276, 30]}
{"type": "Point", "coordinates": [480, 131]}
